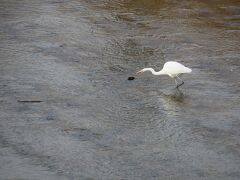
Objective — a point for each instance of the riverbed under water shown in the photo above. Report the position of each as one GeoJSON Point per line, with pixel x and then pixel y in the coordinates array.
{"type": "Point", "coordinates": [68, 111]}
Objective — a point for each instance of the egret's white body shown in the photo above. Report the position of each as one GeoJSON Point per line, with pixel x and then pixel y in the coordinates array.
{"type": "Point", "coordinates": [171, 68]}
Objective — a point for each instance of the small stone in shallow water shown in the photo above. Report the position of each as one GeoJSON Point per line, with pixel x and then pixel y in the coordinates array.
{"type": "Point", "coordinates": [131, 78]}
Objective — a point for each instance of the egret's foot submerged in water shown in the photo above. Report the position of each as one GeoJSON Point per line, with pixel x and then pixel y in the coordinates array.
{"type": "Point", "coordinates": [173, 94]}
{"type": "Point", "coordinates": [178, 96]}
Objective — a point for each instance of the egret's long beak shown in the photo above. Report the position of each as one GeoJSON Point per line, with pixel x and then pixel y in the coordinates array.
{"type": "Point", "coordinates": [141, 71]}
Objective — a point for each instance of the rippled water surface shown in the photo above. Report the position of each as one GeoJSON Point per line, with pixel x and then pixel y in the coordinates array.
{"type": "Point", "coordinates": [68, 111]}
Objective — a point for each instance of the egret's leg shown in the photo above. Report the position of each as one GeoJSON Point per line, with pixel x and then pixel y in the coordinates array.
{"type": "Point", "coordinates": [176, 82]}
{"type": "Point", "coordinates": [181, 83]}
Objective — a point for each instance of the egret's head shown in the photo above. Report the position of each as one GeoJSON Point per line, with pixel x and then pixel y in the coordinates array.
{"type": "Point", "coordinates": [141, 71]}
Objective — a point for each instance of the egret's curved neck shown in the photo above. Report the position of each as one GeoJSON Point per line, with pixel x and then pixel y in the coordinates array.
{"type": "Point", "coordinates": [154, 72]}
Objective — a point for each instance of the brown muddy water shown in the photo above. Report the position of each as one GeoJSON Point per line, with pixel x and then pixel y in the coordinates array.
{"type": "Point", "coordinates": [68, 110]}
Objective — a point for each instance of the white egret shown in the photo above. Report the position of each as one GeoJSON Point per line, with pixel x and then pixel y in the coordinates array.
{"type": "Point", "coordinates": [171, 68]}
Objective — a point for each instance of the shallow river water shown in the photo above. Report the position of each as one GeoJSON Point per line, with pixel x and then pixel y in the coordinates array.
{"type": "Point", "coordinates": [68, 111]}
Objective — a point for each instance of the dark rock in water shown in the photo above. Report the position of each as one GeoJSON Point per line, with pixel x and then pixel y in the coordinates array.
{"type": "Point", "coordinates": [131, 78]}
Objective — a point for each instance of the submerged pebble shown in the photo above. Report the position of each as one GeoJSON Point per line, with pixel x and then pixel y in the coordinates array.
{"type": "Point", "coordinates": [131, 78]}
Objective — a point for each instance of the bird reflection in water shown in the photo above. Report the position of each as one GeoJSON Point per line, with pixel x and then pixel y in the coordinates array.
{"type": "Point", "coordinates": [174, 95]}
{"type": "Point", "coordinates": [177, 95]}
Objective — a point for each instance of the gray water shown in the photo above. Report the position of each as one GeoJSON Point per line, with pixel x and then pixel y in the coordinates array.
{"type": "Point", "coordinates": [73, 57]}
